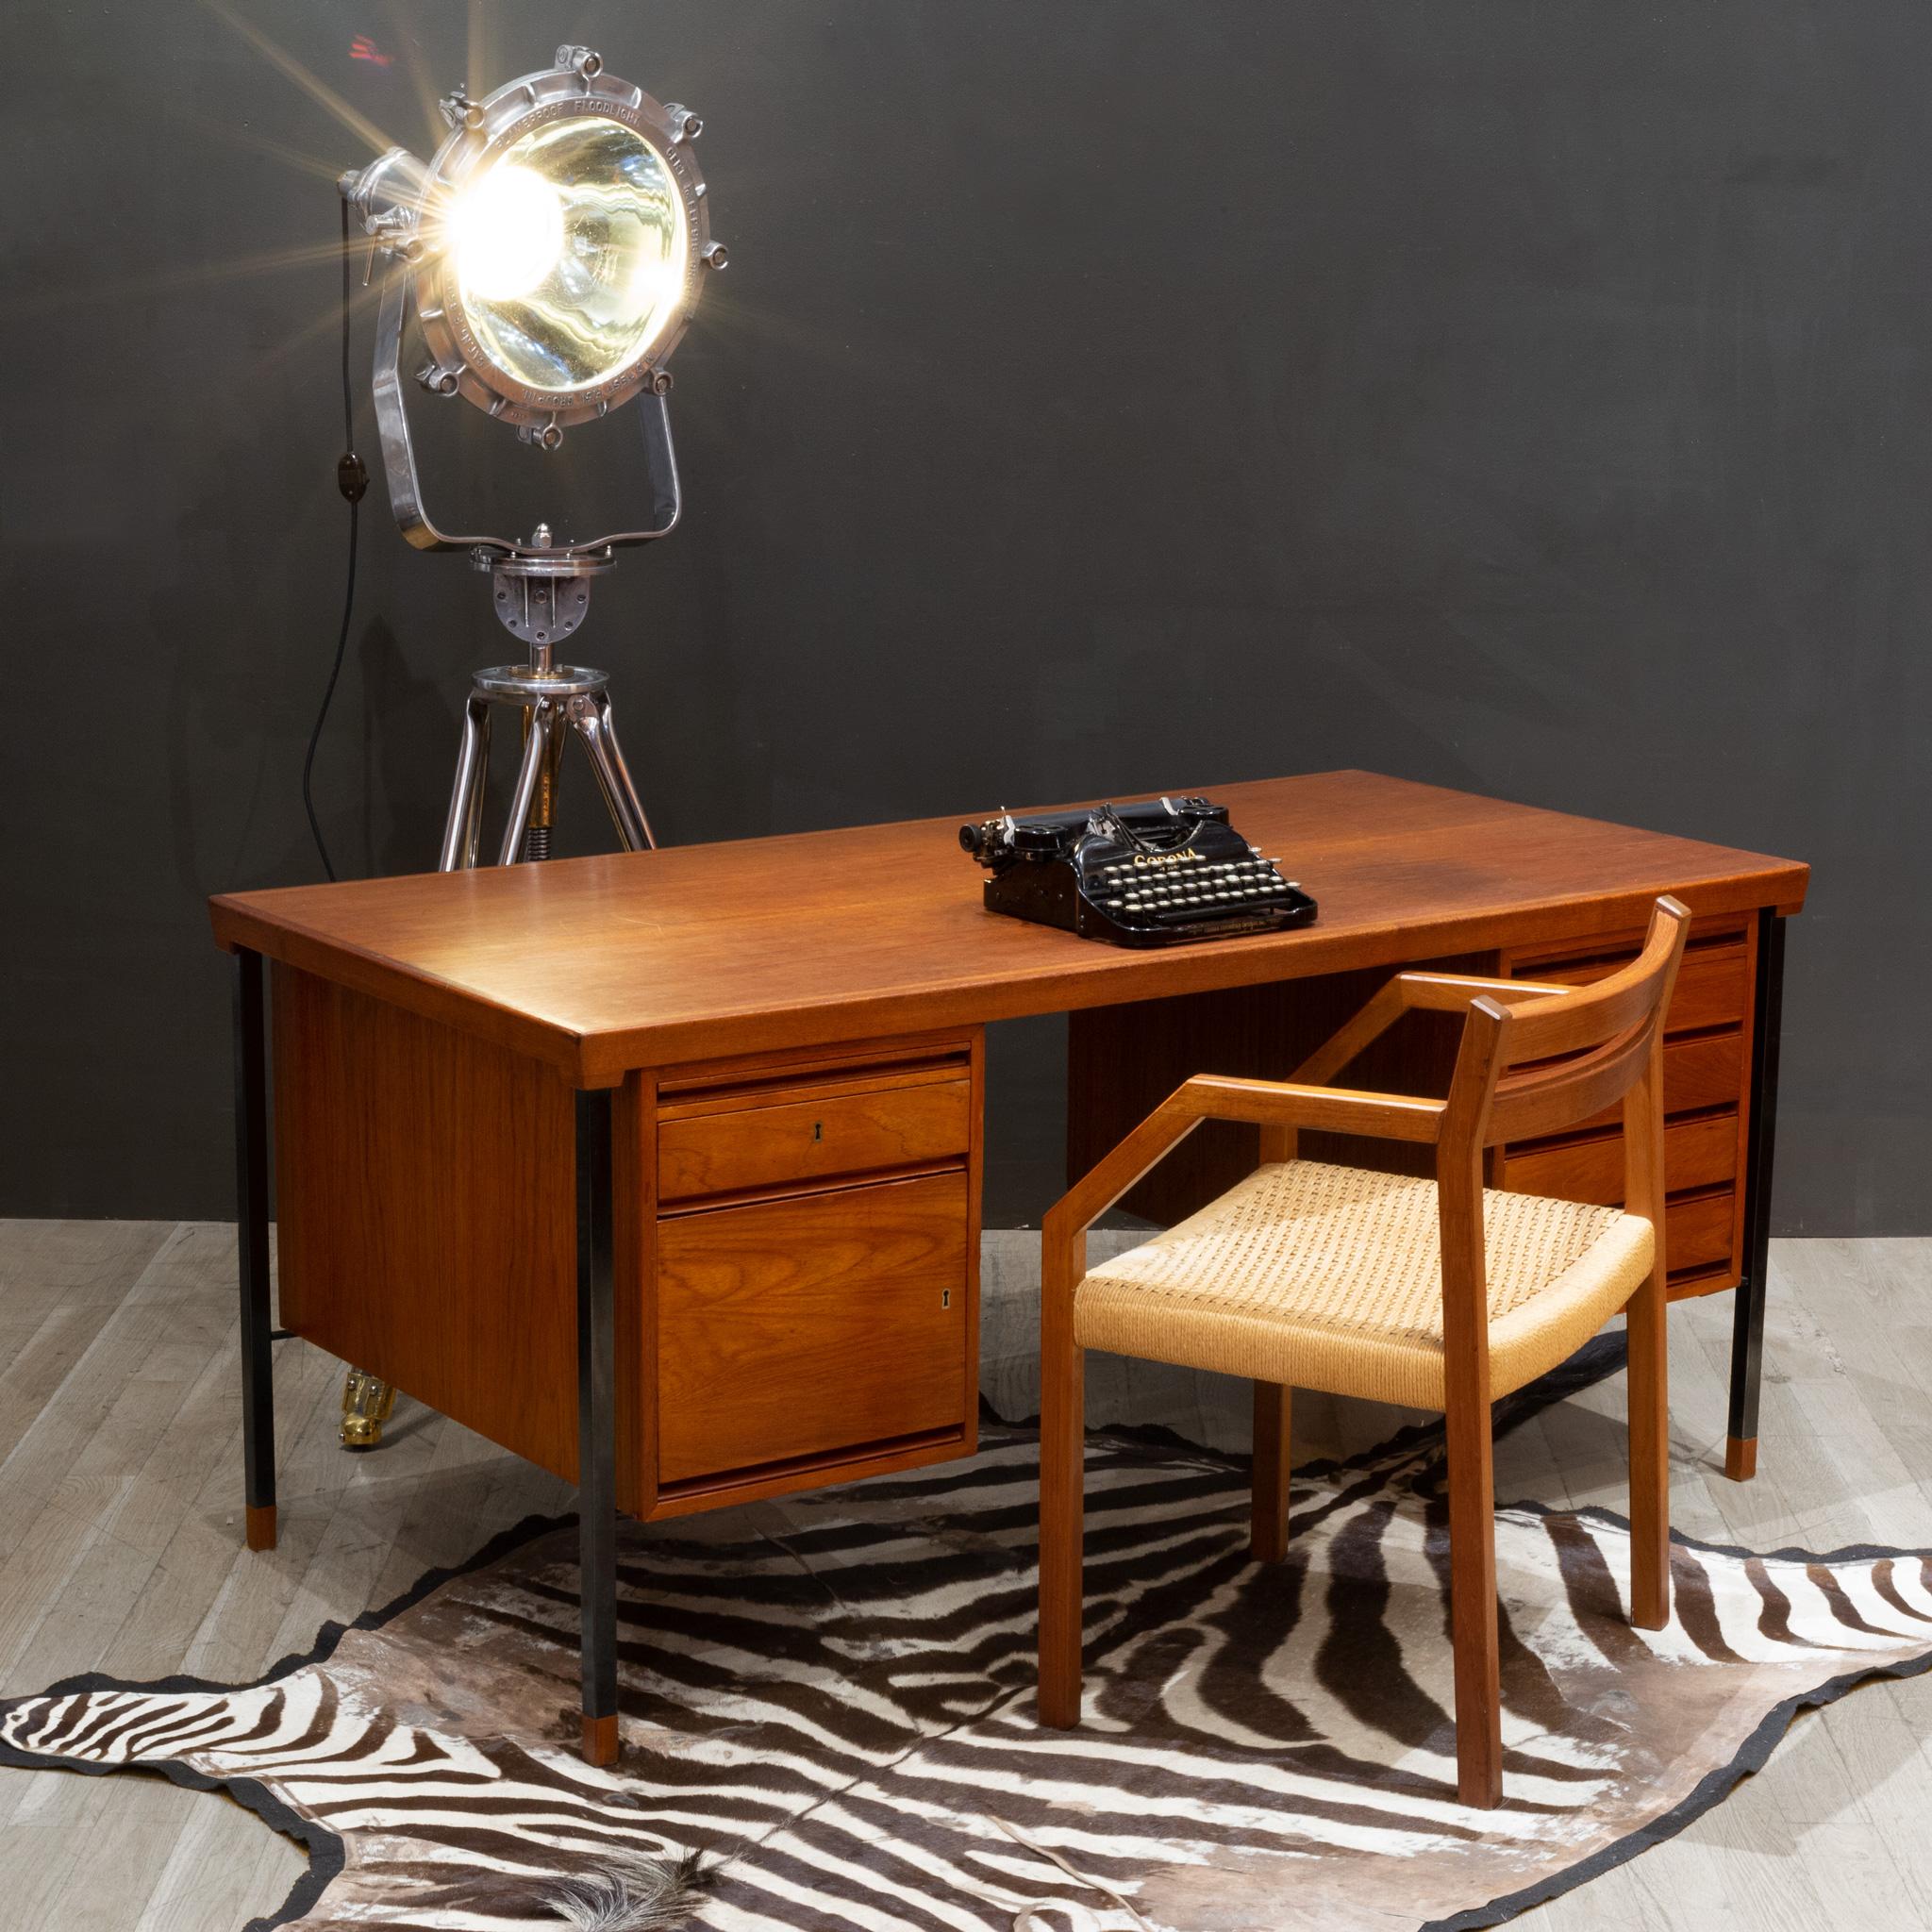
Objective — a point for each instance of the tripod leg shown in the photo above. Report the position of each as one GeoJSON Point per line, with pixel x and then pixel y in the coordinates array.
{"type": "Point", "coordinates": [544, 811]}
{"type": "Point", "coordinates": [466, 796]}
{"type": "Point", "coordinates": [536, 747]}
{"type": "Point", "coordinates": [473, 830]}
{"type": "Point", "coordinates": [592, 719]}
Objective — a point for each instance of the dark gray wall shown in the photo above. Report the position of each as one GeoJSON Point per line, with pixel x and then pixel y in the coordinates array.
{"type": "Point", "coordinates": [1531, 398]}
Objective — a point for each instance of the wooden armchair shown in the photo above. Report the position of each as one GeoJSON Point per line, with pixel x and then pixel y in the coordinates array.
{"type": "Point", "coordinates": [1437, 1294]}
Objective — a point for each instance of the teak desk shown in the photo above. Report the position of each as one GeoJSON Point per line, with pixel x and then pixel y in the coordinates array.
{"type": "Point", "coordinates": [662, 1169]}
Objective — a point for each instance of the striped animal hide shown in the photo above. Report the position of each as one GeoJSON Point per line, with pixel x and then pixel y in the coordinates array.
{"type": "Point", "coordinates": [830, 1699]}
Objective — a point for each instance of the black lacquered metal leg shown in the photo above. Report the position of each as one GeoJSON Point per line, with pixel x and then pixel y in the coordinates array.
{"type": "Point", "coordinates": [1747, 1334]}
{"type": "Point", "coordinates": [596, 1430]}
{"type": "Point", "coordinates": [251, 1238]}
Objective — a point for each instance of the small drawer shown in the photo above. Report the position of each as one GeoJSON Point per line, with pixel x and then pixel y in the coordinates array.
{"type": "Point", "coordinates": [795, 1135]}
{"type": "Point", "coordinates": [803, 1326]}
{"type": "Point", "coordinates": [1697, 1233]}
{"type": "Point", "coordinates": [1712, 990]}
{"type": "Point", "coordinates": [1704, 1071]}
{"type": "Point", "coordinates": [1598, 957]}
{"type": "Point", "coordinates": [1697, 1154]}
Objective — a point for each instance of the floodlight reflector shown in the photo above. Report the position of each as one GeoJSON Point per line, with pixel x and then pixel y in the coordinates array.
{"type": "Point", "coordinates": [570, 253]}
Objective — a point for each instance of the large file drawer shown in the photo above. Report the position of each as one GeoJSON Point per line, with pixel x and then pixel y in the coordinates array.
{"type": "Point", "coordinates": [797, 1328]}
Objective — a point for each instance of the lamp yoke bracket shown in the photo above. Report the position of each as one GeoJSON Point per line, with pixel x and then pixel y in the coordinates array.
{"type": "Point", "coordinates": [404, 482]}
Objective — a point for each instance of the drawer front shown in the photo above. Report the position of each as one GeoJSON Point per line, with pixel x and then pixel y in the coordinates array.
{"type": "Point", "coordinates": [814, 1137]}
{"type": "Point", "coordinates": [1712, 990]}
{"type": "Point", "coordinates": [1704, 1071]}
{"type": "Point", "coordinates": [1708, 1071]}
{"type": "Point", "coordinates": [1697, 1234]}
{"type": "Point", "coordinates": [1697, 1154]}
{"type": "Point", "coordinates": [795, 1328]}
{"type": "Point", "coordinates": [1605, 952]}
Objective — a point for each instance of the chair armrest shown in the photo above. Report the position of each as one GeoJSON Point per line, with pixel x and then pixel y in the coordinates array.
{"type": "Point", "coordinates": [1452, 992]}
{"type": "Point", "coordinates": [1328, 1110]}
{"type": "Point", "coordinates": [1436, 992]}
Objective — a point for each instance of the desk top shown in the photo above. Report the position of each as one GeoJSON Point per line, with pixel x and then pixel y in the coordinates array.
{"type": "Point", "coordinates": [693, 951]}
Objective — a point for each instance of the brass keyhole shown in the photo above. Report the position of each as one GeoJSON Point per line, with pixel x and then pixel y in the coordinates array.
{"type": "Point", "coordinates": [946, 1297]}
{"type": "Point", "coordinates": [818, 1130]}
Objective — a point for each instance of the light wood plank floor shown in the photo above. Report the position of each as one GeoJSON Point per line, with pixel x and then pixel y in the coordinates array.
{"type": "Point", "coordinates": [120, 1551]}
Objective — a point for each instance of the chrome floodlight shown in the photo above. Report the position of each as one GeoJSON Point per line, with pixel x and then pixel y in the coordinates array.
{"type": "Point", "coordinates": [551, 253]}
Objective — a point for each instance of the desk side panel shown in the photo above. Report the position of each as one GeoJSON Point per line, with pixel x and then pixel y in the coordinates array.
{"type": "Point", "coordinates": [426, 1212]}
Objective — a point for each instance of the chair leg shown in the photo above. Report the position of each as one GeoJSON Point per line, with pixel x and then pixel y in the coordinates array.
{"type": "Point", "coordinates": [1062, 1474]}
{"type": "Point", "coordinates": [1472, 1609]}
{"type": "Point", "coordinates": [1268, 1521]}
{"type": "Point", "coordinates": [1647, 1317]}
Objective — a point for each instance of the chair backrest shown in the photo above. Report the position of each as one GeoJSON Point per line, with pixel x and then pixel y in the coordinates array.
{"type": "Point", "coordinates": [1543, 1065]}
{"type": "Point", "coordinates": [1537, 1067]}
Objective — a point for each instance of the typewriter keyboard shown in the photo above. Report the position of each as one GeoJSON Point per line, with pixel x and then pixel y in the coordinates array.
{"type": "Point", "coordinates": [1180, 894]}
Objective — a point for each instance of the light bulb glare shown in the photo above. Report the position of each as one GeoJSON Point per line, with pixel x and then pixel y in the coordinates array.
{"type": "Point", "coordinates": [507, 233]}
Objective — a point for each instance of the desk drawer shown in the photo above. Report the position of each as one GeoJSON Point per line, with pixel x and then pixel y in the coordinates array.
{"type": "Point", "coordinates": [848, 1127]}
{"type": "Point", "coordinates": [1697, 1232]}
{"type": "Point", "coordinates": [1697, 1154]}
{"type": "Point", "coordinates": [796, 1327]}
{"type": "Point", "coordinates": [1712, 990]}
{"type": "Point", "coordinates": [1705, 1070]}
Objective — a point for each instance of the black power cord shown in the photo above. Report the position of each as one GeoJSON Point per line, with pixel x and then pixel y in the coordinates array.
{"type": "Point", "coordinates": [352, 479]}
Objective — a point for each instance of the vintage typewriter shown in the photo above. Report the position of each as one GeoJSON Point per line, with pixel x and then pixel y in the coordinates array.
{"type": "Point", "coordinates": [1161, 873]}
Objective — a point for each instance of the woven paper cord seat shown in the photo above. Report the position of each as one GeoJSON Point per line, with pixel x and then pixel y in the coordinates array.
{"type": "Point", "coordinates": [1330, 1277]}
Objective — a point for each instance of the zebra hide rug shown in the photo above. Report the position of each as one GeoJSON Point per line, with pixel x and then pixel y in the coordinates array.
{"type": "Point", "coordinates": [831, 1700]}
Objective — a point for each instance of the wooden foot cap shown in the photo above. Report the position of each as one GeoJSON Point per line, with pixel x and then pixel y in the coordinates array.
{"type": "Point", "coordinates": [261, 1525]}
{"type": "Point", "coordinates": [1058, 1705]}
{"type": "Point", "coordinates": [600, 1741]}
{"type": "Point", "coordinates": [1740, 1457]}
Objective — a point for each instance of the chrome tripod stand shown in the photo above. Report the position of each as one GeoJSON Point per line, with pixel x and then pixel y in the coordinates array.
{"type": "Point", "coordinates": [541, 597]}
